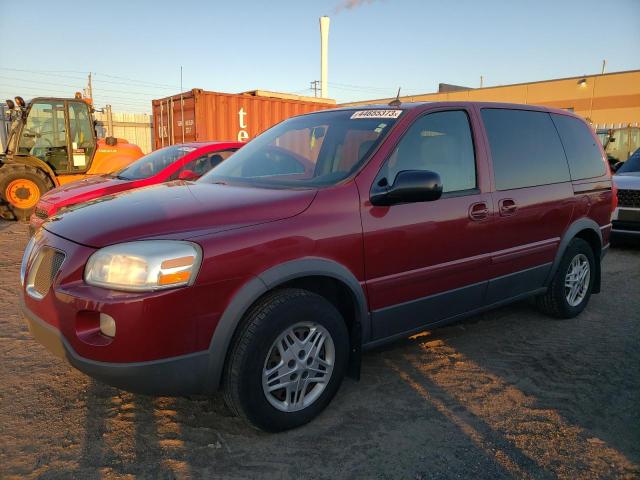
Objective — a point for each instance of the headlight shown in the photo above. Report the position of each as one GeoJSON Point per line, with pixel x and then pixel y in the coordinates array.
{"type": "Point", "coordinates": [144, 266]}
{"type": "Point", "coordinates": [25, 259]}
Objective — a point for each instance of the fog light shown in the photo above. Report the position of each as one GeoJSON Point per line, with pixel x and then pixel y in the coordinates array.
{"type": "Point", "coordinates": [107, 325]}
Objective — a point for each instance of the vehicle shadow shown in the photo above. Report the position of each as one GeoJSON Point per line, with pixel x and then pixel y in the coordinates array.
{"type": "Point", "coordinates": [546, 376]}
{"type": "Point", "coordinates": [120, 436]}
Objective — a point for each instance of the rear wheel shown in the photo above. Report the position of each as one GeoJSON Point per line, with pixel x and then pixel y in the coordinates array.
{"type": "Point", "coordinates": [572, 283]}
{"type": "Point", "coordinates": [21, 186]}
{"type": "Point", "coordinates": [288, 360]}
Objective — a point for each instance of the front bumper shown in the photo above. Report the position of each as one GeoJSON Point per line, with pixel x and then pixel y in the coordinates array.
{"type": "Point", "coordinates": [626, 222]}
{"type": "Point", "coordinates": [162, 343]}
{"type": "Point", "coordinates": [182, 375]}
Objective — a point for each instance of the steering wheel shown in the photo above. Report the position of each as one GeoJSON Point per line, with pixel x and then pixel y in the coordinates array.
{"type": "Point", "coordinates": [305, 163]}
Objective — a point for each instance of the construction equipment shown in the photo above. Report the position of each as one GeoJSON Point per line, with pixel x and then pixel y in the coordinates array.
{"type": "Point", "coordinates": [619, 143]}
{"type": "Point", "coordinates": [52, 141]}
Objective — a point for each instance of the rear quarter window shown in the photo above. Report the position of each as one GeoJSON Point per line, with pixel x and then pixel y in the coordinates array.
{"type": "Point", "coordinates": [525, 148]}
{"type": "Point", "coordinates": [583, 153]}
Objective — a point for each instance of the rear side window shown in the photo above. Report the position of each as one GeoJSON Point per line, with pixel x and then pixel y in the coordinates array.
{"type": "Point", "coordinates": [525, 148]}
{"type": "Point", "coordinates": [583, 153]}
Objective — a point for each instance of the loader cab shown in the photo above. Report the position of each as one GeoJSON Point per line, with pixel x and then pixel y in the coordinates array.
{"type": "Point", "coordinates": [59, 132]}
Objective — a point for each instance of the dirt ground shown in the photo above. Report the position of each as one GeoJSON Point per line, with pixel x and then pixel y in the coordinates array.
{"type": "Point", "coordinates": [507, 394]}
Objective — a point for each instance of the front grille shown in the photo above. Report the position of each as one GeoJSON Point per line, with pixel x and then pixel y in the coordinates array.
{"type": "Point", "coordinates": [629, 198]}
{"type": "Point", "coordinates": [40, 213]}
{"type": "Point", "coordinates": [43, 270]}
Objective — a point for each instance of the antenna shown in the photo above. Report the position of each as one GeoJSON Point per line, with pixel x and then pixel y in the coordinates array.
{"type": "Point", "coordinates": [396, 102]}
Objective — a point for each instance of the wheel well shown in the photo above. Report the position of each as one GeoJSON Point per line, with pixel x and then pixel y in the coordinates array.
{"type": "Point", "coordinates": [592, 238]}
{"type": "Point", "coordinates": [340, 296]}
{"type": "Point", "coordinates": [333, 290]}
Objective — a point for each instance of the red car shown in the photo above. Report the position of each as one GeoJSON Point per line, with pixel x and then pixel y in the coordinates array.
{"type": "Point", "coordinates": [267, 278]}
{"type": "Point", "coordinates": [187, 161]}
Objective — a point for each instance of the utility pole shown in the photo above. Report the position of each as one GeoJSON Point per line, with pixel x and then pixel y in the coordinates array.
{"type": "Point", "coordinates": [314, 87]}
{"type": "Point", "coordinates": [181, 78]}
{"type": "Point", "coordinates": [90, 88]}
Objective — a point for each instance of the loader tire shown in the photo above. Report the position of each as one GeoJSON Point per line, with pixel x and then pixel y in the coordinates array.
{"type": "Point", "coordinates": [21, 186]}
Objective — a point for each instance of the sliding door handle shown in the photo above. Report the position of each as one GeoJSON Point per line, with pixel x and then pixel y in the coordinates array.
{"type": "Point", "coordinates": [507, 206]}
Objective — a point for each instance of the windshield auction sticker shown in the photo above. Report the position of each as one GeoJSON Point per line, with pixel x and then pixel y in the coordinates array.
{"type": "Point", "coordinates": [376, 114]}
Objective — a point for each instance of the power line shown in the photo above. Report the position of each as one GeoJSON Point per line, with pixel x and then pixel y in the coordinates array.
{"type": "Point", "coordinates": [99, 98]}
{"type": "Point", "coordinates": [139, 83]}
{"type": "Point", "coordinates": [41, 92]}
{"type": "Point", "coordinates": [123, 92]}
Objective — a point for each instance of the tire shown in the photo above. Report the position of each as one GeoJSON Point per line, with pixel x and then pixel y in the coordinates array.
{"type": "Point", "coordinates": [254, 352]}
{"type": "Point", "coordinates": [556, 301]}
{"type": "Point", "coordinates": [18, 202]}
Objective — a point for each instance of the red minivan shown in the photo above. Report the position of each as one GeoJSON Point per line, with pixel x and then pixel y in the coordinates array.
{"type": "Point", "coordinates": [330, 233]}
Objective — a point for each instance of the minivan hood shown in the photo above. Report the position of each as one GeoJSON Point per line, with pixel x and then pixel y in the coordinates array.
{"type": "Point", "coordinates": [175, 210]}
{"type": "Point", "coordinates": [627, 181]}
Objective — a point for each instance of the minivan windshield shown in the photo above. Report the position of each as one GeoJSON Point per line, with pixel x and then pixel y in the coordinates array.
{"type": "Point", "coordinates": [154, 163]}
{"type": "Point", "coordinates": [310, 150]}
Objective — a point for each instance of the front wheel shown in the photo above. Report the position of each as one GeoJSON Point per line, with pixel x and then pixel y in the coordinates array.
{"type": "Point", "coordinates": [287, 361]}
{"type": "Point", "coordinates": [572, 283]}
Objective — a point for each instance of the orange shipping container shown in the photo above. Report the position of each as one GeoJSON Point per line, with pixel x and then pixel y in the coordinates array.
{"type": "Point", "coordinates": [199, 115]}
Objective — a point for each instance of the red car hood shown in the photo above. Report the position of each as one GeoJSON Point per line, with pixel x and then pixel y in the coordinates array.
{"type": "Point", "coordinates": [174, 210]}
{"type": "Point", "coordinates": [83, 190]}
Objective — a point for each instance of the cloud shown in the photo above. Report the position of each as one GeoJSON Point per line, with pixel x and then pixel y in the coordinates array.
{"type": "Point", "coordinates": [351, 4]}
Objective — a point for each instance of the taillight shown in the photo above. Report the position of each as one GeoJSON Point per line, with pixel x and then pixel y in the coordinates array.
{"type": "Point", "coordinates": [614, 197]}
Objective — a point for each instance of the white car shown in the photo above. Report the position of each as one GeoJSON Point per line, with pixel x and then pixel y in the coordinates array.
{"type": "Point", "coordinates": [626, 218]}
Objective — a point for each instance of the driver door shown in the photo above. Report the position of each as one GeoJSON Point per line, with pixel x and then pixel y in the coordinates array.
{"type": "Point", "coordinates": [425, 262]}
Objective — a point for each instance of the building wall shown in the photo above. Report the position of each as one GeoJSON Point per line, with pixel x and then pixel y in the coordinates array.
{"type": "Point", "coordinates": [606, 100]}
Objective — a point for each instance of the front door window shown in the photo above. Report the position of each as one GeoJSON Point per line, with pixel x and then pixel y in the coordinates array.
{"type": "Point", "coordinates": [45, 135]}
{"type": "Point", "coordinates": [201, 165]}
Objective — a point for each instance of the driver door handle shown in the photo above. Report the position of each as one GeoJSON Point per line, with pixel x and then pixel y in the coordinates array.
{"type": "Point", "coordinates": [478, 211]}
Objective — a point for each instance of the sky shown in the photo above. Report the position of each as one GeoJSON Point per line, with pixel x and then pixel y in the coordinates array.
{"type": "Point", "coordinates": [135, 49]}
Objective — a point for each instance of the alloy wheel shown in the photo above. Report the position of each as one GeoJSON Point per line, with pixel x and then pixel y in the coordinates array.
{"type": "Point", "coordinates": [576, 282]}
{"type": "Point", "coordinates": [298, 366]}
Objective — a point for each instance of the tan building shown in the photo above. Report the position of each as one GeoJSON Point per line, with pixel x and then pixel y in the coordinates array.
{"type": "Point", "coordinates": [606, 100]}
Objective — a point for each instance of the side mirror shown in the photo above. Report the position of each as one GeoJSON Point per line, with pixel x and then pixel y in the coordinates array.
{"type": "Point", "coordinates": [111, 141]}
{"type": "Point", "coordinates": [187, 175]}
{"type": "Point", "coordinates": [409, 186]}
